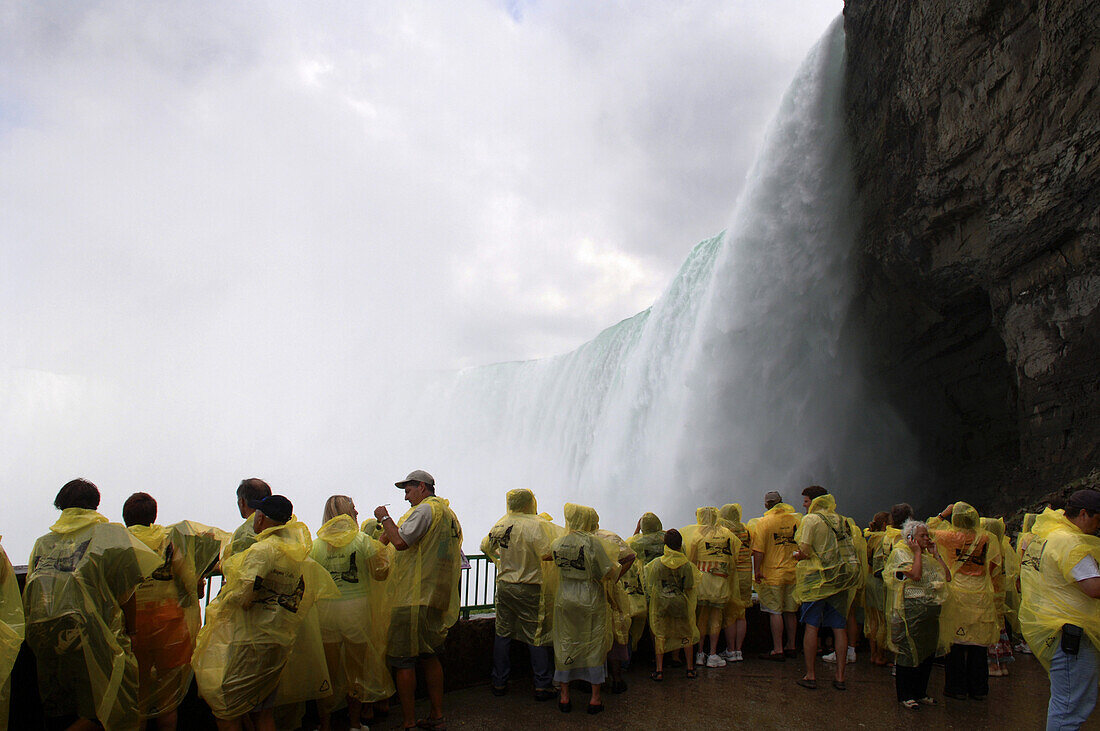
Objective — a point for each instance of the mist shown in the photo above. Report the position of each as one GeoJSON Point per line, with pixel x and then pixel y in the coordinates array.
{"type": "Point", "coordinates": [234, 236]}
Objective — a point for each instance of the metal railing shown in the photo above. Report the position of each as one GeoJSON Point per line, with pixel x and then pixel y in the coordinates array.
{"type": "Point", "coordinates": [477, 588]}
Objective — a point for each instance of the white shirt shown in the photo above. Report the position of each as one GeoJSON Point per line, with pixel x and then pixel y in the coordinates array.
{"type": "Point", "coordinates": [1086, 568]}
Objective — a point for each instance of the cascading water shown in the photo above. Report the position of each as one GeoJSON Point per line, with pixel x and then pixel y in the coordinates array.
{"type": "Point", "coordinates": [735, 382]}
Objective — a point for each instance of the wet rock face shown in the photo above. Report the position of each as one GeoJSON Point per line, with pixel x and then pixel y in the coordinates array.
{"type": "Point", "coordinates": [976, 137]}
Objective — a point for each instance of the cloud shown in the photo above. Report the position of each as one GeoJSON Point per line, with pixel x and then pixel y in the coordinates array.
{"type": "Point", "coordinates": [226, 209]}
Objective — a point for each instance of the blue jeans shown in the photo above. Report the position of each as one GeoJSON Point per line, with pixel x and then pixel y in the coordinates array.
{"type": "Point", "coordinates": [1073, 689]}
{"type": "Point", "coordinates": [541, 665]}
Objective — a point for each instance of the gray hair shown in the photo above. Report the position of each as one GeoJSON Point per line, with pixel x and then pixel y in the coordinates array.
{"type": "Point", "coordinates": [909, 528]}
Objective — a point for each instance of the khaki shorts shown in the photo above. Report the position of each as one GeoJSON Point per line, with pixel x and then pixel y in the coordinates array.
{"type": "Point", "coordinates": [776, 599]}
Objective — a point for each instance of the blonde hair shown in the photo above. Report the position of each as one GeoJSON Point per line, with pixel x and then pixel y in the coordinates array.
{"type": "Point", "coordinates": [338, 505]}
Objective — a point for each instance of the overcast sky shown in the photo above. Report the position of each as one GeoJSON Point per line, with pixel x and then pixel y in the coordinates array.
{"type": "Point", "coordinates": [216, 216]}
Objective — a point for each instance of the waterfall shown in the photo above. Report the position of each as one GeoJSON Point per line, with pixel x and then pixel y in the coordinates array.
{"type": "Point", "coordinates": [736, 381]}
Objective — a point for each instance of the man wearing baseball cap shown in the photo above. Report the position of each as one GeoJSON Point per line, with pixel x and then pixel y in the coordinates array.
{"type": "Point", "coordinates": [773, 563]}
{"type": "Point", "coordinates": [426, 571]}
{"type": "Point", "coordinates": [252, 626]}
{"type": "Point", "coordinates": [1060, 609]}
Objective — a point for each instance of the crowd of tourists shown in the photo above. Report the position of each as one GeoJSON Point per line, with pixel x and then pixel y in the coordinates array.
{"type": "Point", "coordinates": [111, 612]}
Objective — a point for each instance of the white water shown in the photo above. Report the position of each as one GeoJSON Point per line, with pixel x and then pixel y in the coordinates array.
{"type": "Point", "coordinates": [733, 383]}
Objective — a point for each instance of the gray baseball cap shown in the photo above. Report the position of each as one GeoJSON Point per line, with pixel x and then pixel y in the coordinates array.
{"type": "Point", "coordinates": [417, 476]}
{"type": "Point", "coordinates": [773, 497]}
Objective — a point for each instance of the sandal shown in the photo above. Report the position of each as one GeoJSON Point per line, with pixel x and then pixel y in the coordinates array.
{"type": "Point", "coordinates": [657, 676]}
{"type": "Point", "coordinates": [807, 684]}
{"type": "Point", "coordinates": [911, 704]}
{"type": "Point", "coordinates": [692, 673]}
{"type": "Point", "coordinates": [432, 724]}
{"type": "Point", "coordinates": [839, 685]}
{"type": "Point", "coordinates": [927, 701]}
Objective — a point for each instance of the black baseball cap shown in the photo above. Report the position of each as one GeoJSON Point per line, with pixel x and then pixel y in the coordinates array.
{"type": "Point", "coordinates": [1087, 499]}
{"type": "Point", "coordinates": [276, 507]}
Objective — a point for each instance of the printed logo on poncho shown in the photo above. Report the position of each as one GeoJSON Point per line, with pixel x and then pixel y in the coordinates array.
{"type": "Point", "coordinates": [721, 548]}
{"type": "Point", "coordinates": [270, 595]}
{"type": "Point", "coordinates": [506, 539]}
{"type": "Point", "coordinates": [564, 562]}
{"type": "Point", "coordinates": [784, 536]}
{"type": "Point", "coordinates": [1033, 556]}
{"type": "Point", "coordinates": [62, 562]}
{"type": "Point", "coordinates": [349, 575]}
{"type": "Point", "coordinates": [164, 571]}
{"type": "Point", "coordinates": [672, 586]}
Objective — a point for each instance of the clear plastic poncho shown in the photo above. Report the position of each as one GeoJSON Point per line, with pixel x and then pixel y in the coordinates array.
{"type": "Point", "coordinates": [730, 518]}
{"type": "Point", "coordinates": [354, 626]}
{"type": "Point", "coordinates": [625, 599]}
{"type": "Point", "coordinates": [167, 621]}
{"type": "Point", "coordinates": [262, 633]}
{"type": "Point", "coordinates": [11, 631]}
{"type": "Point", "coordinates": [586, 569]}
{"type": "Point", "coordinates": [242, 538]}
{"type": "Point", "coordinates": [671, 583]}
{"type": "Point", "coordinates": [1051, 597]}
{"type": "Point", "coordinates": [874, 590]}
{"type": "Point", "coordinates": [913, 613]}
{"type": "Point", "coordinates": [833, 568]}
{"type": "Point", "coordinates": [773, 534]}
{"type": "Point", "coordinates": [649, 542]}
{"type": "Point", "coordinates": [971, 613]}
{"type": "Point", "coordinates": [79, 576]}
{"type": "Point", "coordinates": [525, 583]}
{"type": "Point", "coordinates": [713, 549]}
{"type": "Point", "coordinates": [426, 585]}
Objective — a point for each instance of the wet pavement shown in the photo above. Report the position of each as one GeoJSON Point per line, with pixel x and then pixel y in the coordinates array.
{"type": "Point", "coordinates": [759, 694]}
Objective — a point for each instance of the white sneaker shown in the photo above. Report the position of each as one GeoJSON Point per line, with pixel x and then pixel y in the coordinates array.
{"type": "Point", "coordinates": [715, 662]}
{"type": "Point", "coordinates": [851, 654]}
{"type": "Point", "coordinates": [700, 658]}
{"type": "Point", "coordinates": [831, 657]}
{"type": "Point", "coordinates": [740, 657]}
{"type": "Point", "coordinates": [728, 655]}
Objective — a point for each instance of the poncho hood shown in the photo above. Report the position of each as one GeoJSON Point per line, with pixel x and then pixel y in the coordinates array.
{"type": "Point", "coordinates": [151, 535]}
{"type": "Point", "coordinates": [293, 538]}
{"type": "Point", "coordinates": [965, 517]}
{"type": "Point", "coordinates": [731, 512]}
{"type": "Point", "coordinates": [823, 504]}
{"type": "Point", "coordinates": [339, 531]}
{"type": "Point", "coordinates": [581, 518]}
{"type": "Point", "coordinates": [673, 559]}
{"type": "Point", "coordinates": [521, 500]}
{"type": "Point", "coordinates": [706, 516]}
{"type": "Point", "coordinates": [76, 519]}
{"type": "Point", "coordinates": [650, 523]}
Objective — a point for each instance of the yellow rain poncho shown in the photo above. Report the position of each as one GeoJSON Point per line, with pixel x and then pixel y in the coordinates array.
{"type": "Point", "coordinates": [242, 538]}
{"type": "Point", "coordinates": [874, 590]}
{"type": "Point", "coordinates": [730, 517]}
{"type": "Point", "coordinates": [262, 633]}
{"type": "Point", "coordinates": [649, 542]}
{"type": "Point", "coordinates": [1051, 597]}
{"type": "Point", "coordinates": [971, 612]}
{"type": "Point", "coordinates": [79, 576]}
{"type": "Point", "coordinates": [167, 621]}
{"type": "Point", "coordinates": [671, 583]}
{"type": "Point", "coordinates": [372, 528]}
{"type": "Point", "coordinates": [713, 549]}
{"type": "Point", "coordinates": [1009, 596]}
{"type": "Point", "coordinates": [586, 569]}
{"type": "Point", "coordinates": [913, 606]}
{"type": "Point", "coordinates": [11, 631]}
{"type": "Point", "coordinates": [354, 626]}
{"type": "Point", "coordinates": [833, 568]}
{"type": "Point", "coordinates": [774, 536]}
{"type": "Point", "coordinates": [525, 584]}
{"type": "Point", "coordinates": [1025, 533]}
{"type": "Point", "coordinates": [426, 585]}
{"type": "Point", "coordinates": [626, 601]}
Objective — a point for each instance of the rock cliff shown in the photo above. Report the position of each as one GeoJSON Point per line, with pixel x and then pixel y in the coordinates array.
{"type": "Point", "coordinates": [976, 136]}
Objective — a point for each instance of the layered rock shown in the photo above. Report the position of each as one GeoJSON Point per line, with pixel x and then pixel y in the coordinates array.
{"type": "Point", "coordinates": [976, 137]}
